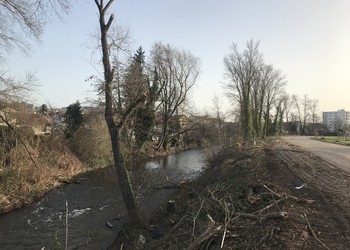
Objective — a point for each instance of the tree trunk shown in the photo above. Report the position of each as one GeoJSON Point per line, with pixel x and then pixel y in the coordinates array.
{"type": "Point", "coordinates": [163, 141]}
{"type": "Point", "coordinates": [113, 128]}
{"type": "Point", "coordinates": [123, 176]}
{"type": "Point", "coordinates": [247, 125]}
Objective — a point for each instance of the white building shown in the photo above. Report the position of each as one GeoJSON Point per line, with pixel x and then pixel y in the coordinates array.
{"type": "Point", "coordinates": [336, 120]}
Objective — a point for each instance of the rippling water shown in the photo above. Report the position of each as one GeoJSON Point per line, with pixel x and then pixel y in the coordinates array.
{"type": "Point", "coordinates": [96, 210]}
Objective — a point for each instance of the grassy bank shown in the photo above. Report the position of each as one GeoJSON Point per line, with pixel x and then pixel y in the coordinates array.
{"type": "Point", "coordinates": [342, 140]}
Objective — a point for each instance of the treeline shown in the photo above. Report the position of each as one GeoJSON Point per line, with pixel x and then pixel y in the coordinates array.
{"type": "Point", "coordinates": [258, 89]}
{"type": "Point", "coordinates": [163, 80]}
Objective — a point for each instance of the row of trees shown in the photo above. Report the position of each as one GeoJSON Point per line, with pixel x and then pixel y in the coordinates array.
{"type": "Point", "coordinates": [301, 114]}
{"type": "Point", "coordinates": [257, 87]}
{"type": "Point", "coordinates": [259, 90]}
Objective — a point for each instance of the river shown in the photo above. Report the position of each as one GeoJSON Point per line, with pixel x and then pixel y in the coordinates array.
{"type": "Point", "coordinates": [96, 210]}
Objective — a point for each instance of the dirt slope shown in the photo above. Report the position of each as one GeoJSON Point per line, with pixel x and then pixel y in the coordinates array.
{"type": "Point", "coordinates": [272, 196]}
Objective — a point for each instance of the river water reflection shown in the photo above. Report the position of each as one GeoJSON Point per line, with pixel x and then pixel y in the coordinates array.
{"type": "Point", "coordinates": [91, 203]}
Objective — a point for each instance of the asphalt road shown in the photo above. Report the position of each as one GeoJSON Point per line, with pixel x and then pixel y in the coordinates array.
{"type": "Point", "coordinates": [336, 155]}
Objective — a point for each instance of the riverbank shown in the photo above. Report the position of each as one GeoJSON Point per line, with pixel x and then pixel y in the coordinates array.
{"type": "Point", "coordinates": [45, 167]}
{"type": "Point", "coordinates": [96, 211]}
{"type": "Point", "coordinates": [271, 196]}
{"type": "Point", "coordinates": [28, 180]}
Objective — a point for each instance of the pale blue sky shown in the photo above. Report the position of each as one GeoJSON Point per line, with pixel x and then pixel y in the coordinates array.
{"type": "Point", "coordinates": [309, 40]}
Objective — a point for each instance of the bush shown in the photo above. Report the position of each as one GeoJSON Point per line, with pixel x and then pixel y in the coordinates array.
{"type": "Point", "coordinates": [91, 142]}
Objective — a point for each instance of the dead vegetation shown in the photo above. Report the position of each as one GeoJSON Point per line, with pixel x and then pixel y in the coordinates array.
{"type": "Point", "coordinates": [248, 199]}
{"type": "Point", "coordinates": [30, 170]}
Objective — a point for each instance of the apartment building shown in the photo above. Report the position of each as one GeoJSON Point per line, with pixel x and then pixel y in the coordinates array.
{"type": "Point", "coordinates": [336, 120]}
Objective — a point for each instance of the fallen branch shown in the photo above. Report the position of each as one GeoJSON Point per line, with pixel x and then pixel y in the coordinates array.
{"type": "Point", "coordinates": [279, 196]}
{"type": "Point", "coordinates": [299, 200]}
{"type": "Point", "coordinates": [192, 190]}
{"type": "Point", "coordinates": [270, 216]}
{"type": "Point", "coordinates": [313, 233]}
{"type": "Point", "coordinates": [194, 220]}
{"type": "Point", "coordinates": [210, 232]}
{"type": "Point", "coordinates": [271, 205]}
{"type": "Point", "coordinates": [223, 239]}
{"type": "Point", "coordinates": [302, 200]}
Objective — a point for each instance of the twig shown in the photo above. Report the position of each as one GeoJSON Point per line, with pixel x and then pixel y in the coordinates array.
{"type": "Point", "coordinates": [227, 219]}
{"type": "Point", "coordinates": [313, 233]}
{"type": "Point", "coordinates": [279, 196]}
{"type": "Point", "coordinates": [66, 225]}
{"type": "Point", "coordinates": [194, 191]}
{"type": "Point", "coordinates": [195, 218]}
{"type": "Point", "coordinates": [210, 232]}
{"type": "Point", "coordinates": [223, 238]}
{"type": "Point", "coordinates": [271, 205]}
{"type": "Point", "coordinates": [280, 215]}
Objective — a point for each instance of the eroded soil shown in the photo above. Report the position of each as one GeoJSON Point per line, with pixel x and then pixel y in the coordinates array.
{"type": "Point", "coordinates": [271, 196]}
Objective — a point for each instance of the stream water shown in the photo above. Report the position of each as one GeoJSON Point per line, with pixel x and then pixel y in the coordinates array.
{"type": "Point", "coordinates": [96, 210]}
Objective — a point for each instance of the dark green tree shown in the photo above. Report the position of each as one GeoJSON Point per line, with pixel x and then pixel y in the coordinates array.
{"type": "Point", "coordinates": [145, 115]}
{"type": "Point", "coordinates": [74, 118]}
{"type": "Point", "coordinates": [43, 109]}
{"type": "Point", "coordinates": [135, 84]}
{"type": "Point", "coordinates": [138, 83]}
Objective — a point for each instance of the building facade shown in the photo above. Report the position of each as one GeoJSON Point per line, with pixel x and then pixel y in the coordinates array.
{"type": "Point", "coordinates": [335, 121]}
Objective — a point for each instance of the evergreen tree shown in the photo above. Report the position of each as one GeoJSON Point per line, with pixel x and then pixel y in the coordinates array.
{"type": "Point", "coordinates": [74, 118]}
{"type": "Point", "coordinates": [135, 80]}
{"type": "Point", "coordinates": [43, 109]}
{"type": "Point", "coordinates": [145, 115]}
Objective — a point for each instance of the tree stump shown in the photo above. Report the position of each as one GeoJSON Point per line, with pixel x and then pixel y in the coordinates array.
{"type": "Point", "coordinates": [171, 207]}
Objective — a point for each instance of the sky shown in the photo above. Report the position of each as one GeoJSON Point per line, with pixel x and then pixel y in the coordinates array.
{"type": "Point", "coordinates": [309, 40]}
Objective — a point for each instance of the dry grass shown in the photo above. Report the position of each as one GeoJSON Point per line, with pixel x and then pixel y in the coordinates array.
{"type": "Point", "coordinates": [23, 181]}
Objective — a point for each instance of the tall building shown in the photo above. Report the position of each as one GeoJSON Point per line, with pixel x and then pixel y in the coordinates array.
{"type": "Point", "coordinates": [336, 120]}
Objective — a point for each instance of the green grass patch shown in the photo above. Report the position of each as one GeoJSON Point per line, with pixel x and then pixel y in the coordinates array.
{"type": "Point", "coordinates": [343, 140]}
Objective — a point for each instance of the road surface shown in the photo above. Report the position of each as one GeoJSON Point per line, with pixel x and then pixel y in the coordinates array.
{"type": "Point", "coordinates": [336, 155]}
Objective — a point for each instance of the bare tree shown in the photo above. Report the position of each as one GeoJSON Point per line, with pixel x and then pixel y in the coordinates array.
{"type": "Point", "coordinates": [177, 72]}
{"type": "Point", "coordinates": [314, 115]}
{"type": "Point", "coordinates": [21, 18]}
{"type": "Point", "coordinates": [20, 21]}
{"type": "Point", "coordinates": [296, 104]}
{"type": "Point", "coordinates": [303, 111]}
{"type": "Point", "coordinates": [258, 100]}
{"type": "Point", "coordinates": [220, 117]}
{"type": "Point", "coordinates": [287, 103]}
{"type": "Point", "coordinates": [274, 83]}
{"type": "Point", "coordinates": [242, 70]}
{"type": "Point", "coordinates": [15, 89]}
{"type": "Point", "coordinates": [277, 125]}
{"type": "Point", "coordinates": [116, 122]}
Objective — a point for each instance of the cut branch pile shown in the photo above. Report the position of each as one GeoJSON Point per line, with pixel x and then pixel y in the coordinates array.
{"type": "Point", "coordinates": [235, 211]}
